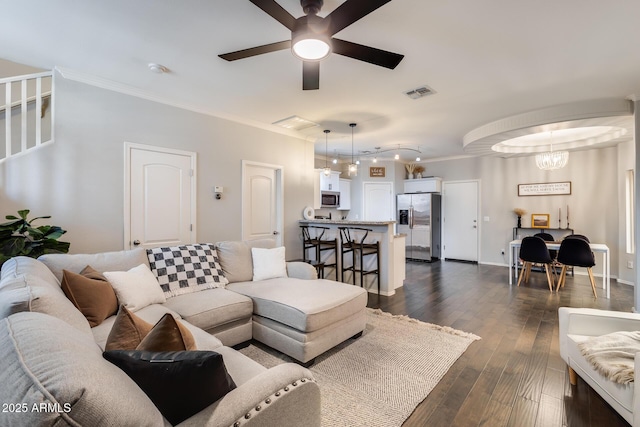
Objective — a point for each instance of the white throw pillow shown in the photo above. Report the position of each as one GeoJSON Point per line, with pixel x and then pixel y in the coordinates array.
{"type": "Point", "coordinates": [268, 263]}
{"type": "Point", "coordinates": [136, 288]}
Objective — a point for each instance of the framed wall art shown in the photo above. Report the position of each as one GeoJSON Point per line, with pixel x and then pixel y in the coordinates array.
{"type": "Point", "coordinates": [539, 220]}
{"type": "Point", "coordinates": [545, 189]}
{"type": "Point", "coordinates": [377, 171]}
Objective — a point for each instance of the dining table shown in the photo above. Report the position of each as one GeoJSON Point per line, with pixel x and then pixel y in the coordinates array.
{"type": "Point", "coordinates": [514, 247]}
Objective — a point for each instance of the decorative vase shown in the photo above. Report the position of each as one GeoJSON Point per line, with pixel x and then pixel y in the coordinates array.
{"type": "Point", "coordinates": [410, 176]}
{"type": "Point", "coordinates": [419, 175]}
{"type": "Point", "coordinates": [519, 222]}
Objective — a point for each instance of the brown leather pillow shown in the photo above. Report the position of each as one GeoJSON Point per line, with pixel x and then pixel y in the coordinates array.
{"type": "Point", "coordinates": [168, 335]}
{"type": "Point", "coordinates": [127, 331]}
{"type": "Point", "coordinates": [91, 293]}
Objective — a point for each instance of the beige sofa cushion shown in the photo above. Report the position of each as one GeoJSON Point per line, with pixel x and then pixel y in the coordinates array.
{"type": "Point", "coordinates": [306, 305]}
{"type": "Point", "coordinates": [105, 261]}
{"type": "Point", "coordinates": [235, 258]}
{"type": "Point", "coordinates": [211, 308]}
{"type": "Point", "coordinates": [71, 377]}
{"type": "Point", "coordinates": [34, 288]}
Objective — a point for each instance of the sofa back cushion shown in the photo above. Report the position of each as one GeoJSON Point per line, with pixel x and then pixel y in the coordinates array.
{"type": "Point", "coordinates": [105, 261]}
{"type": "Point", "coordinates": [27, 285]}
{"type": "Point", "coordinates": [235, 258]}
{"type": "Point", "coordinates": [48, 364]}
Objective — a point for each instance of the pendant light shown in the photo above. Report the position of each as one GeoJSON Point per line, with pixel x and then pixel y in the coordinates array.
{"type": "Point", "coordinates": [552, 160]}
{"type": "Point", "coordinates": [327, 170]}
{"type": "Point", "coordinates": [353, 168]}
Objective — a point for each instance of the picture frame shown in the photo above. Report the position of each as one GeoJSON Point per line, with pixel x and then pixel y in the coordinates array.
{"type": "Point", "coordinates": [539, 220]}
{"type": "Point", "coordinates": [377, 171]}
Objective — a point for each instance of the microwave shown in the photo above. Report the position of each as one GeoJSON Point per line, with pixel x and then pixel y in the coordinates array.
{"type": "Point", "coordinates": [330, 199]}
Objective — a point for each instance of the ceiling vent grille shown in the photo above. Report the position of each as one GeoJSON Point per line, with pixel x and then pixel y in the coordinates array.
{"type": "Point", "coordinates": [420, 92]}
{"type": "Point", "coordinates": [295, 123]}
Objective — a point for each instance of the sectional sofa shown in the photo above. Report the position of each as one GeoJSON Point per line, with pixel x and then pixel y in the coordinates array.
{"type": "Point", "coordinates": [52, 358]}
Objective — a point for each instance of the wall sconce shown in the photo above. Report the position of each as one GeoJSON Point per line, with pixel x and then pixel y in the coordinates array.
{"type": "Point", "coordinates": [218, 190]}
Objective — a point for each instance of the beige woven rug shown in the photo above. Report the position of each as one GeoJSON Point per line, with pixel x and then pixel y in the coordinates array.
{"type": "Point", "coordinates": [379, 378]}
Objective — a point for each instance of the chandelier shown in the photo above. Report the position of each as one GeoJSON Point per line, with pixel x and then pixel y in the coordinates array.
{"type": "Point", "coordinates": [353, 167]}
{"type": "Point", "coordinates": [552, 160]}
{"type": "Point", "coordinates": [327, 170]}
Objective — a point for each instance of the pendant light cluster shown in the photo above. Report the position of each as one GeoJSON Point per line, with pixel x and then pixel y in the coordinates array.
{"type": "Point", "coordinates": [353, 167]}
{"type": "Point", "coordinates": [552, 160]}
{"type": "Point", "coordinates": [327, 170]}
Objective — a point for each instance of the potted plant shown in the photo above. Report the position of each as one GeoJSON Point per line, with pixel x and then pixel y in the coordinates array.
{"type": "Point", "coordinates": [418, 171]}
{"type": "Point", "coordinates": [519, 212]}
{"type": "Point", "coordinates": [19, 237]}
{"type": "Point", "coordinates": [410, 169]}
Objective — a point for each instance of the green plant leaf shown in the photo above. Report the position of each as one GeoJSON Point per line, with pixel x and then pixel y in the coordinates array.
{"type": "Point", "coordinates": [13, 246]}
{"type": "Point", "coordinates": [14, 225]}
{"type": "Point", "coordinates": [54, 232]}
{"type": "Point", "coordinates": [54, 246]}
{"type": "Point", "coordinates": [23, 213]}
{"type": "Point", "coordinates": [40, 217]}
{"type": "Point", "coordinates": [36, 233]}
{"type": "Point", "coordinates": [11, 217]}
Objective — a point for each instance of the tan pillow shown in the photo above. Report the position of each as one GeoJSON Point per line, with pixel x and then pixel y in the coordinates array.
{"type": "Point", "coordinates": [91, 293]}
{"type": "Point", "coordinates": [127, 332]}
{"type": "Point", "coordinates": [168, 335]}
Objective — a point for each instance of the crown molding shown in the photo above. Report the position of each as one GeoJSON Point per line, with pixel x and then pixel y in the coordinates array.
{"type": "Point", "coordinates": [92, 80]}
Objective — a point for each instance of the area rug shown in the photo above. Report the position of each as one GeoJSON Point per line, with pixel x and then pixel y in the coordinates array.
{"type": "Point", "coordinates": [379, 378]}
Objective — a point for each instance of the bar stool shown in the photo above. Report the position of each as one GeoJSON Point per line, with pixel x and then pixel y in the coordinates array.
{"type": "Point", "coordinates": [312, 238]}
{"type": "Point", "coordinates": [359, 249]}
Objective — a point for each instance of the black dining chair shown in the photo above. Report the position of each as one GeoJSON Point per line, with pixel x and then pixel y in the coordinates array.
{"type": "Point", "coordinates": [576, 252]}
{"type": "Point", "coordinates": [548, 238]}
{"type": "Point", "coordinates": [578, 236]}
{"type": "Point", "coordinates": [533, 250]}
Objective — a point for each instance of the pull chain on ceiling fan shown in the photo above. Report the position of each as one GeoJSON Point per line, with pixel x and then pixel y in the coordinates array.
{"type": "Point", "coordinates": [312, 37]}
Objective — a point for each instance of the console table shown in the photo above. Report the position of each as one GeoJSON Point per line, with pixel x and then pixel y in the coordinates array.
{"type": "Point", "coordinates": [557, 233]}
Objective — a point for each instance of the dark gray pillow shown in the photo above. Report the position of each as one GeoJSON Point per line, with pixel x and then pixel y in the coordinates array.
{"type": "Point", "coordinates": [179, 383]}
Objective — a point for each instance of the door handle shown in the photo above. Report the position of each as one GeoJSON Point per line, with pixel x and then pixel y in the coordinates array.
{"type": "Point", "coordinates": [136, 242]}
{"type": "Point", "coordinates": [276, 233]}
{"type": "Point", "coordinates": [411, 217]}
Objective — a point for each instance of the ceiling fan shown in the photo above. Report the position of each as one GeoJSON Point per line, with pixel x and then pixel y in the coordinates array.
{"type": "Point", "coordinates": [312, 37]}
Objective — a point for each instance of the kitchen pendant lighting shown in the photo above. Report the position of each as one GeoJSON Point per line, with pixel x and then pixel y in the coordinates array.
{"type": "Point", "coordinates": [327, 169]}
{"type": "Point", "coordinates": [552, 160]}
{"type": "Point", "coordinates": [353, 168]}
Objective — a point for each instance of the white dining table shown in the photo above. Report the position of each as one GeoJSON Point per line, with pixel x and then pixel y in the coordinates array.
{"type": "Point", "coordinates": [514, 247]}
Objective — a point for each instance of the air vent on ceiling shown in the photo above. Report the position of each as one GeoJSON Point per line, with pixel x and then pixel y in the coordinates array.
{"type": "Point", "coordinates": [420, 92]}
{"type": "Point", "coordinates": [295, 123]}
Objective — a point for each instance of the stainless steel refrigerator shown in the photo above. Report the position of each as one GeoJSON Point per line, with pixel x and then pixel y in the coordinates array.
{"type": "Point", "coordinates": [419, 218]}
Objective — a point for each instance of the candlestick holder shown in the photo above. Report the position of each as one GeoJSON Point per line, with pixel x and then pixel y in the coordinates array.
{"type": "Point", "coordinates": [568, 225]}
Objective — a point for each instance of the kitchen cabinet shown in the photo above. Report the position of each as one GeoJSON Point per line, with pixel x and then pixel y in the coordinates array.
{"type": "Point", "coordinates": [331, 182]}
{"type": "Point", "coordinates": [345, 194]}
{"type": "Point", "coordinates": [423, 185]}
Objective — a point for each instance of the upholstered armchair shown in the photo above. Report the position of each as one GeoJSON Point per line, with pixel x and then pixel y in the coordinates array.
{"type": "Point", "coordinates": [578, 324]}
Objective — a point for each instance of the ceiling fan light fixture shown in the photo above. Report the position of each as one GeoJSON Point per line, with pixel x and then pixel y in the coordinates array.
{"type": "Point", "coordinates": [310, 48]}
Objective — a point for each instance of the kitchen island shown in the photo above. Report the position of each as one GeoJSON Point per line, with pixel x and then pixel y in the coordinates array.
{"type": "Point", "coordinates": [381, 231]}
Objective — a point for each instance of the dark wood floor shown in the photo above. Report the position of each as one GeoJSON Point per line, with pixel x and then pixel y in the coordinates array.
{"type": "Point", "coordinates": [514, 376]}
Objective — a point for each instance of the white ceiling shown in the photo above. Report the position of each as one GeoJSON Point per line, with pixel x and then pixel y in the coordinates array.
{"type": "Point", "coordinates": [485, 59]}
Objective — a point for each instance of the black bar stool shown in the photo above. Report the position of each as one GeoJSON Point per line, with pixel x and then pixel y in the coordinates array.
{"type": "Point", "coordinates": [359, 249]}
{"type": "Point", "coordinates": [312, 238]}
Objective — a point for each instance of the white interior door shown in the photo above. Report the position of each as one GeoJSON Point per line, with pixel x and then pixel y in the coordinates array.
{"type": "Point", "coordinates": [460, 220]}
{"type": "Point", "coordinates": [262, 210]}
{"type": "Point", "coordinates": [378, 201]}
{"type": "Point", "coordinates": [160, 201]}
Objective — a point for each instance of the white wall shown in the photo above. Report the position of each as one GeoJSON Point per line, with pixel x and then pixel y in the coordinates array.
{"type": "Point", "coordinates": [79, 179]}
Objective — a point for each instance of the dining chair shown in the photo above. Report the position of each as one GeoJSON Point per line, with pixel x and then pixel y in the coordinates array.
{"type": "Point", "coordinates": [576, 252]}
{"type": "Point", "coordinates": [533, 250]}
{"type": "Point", "coordinates": [578, 236]}
{"type": "Point", "coordinates": [548, 238]}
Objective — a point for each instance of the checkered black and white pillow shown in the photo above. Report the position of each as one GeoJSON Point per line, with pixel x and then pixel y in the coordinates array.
{"type": "Point", "coordinates": [185, 269]}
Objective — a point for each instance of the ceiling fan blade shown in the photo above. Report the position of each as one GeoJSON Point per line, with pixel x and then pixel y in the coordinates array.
{"type": "Point", "coordinates": [368, 54]}
{"type": "Point", "coordinates": [277, 12]}
{"type": "Point", "coordinates": [258, 50]}
{"type": "Point", "coordinates": [349, 12]}
{"type": "Point", "coordinates": [310, 75]}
